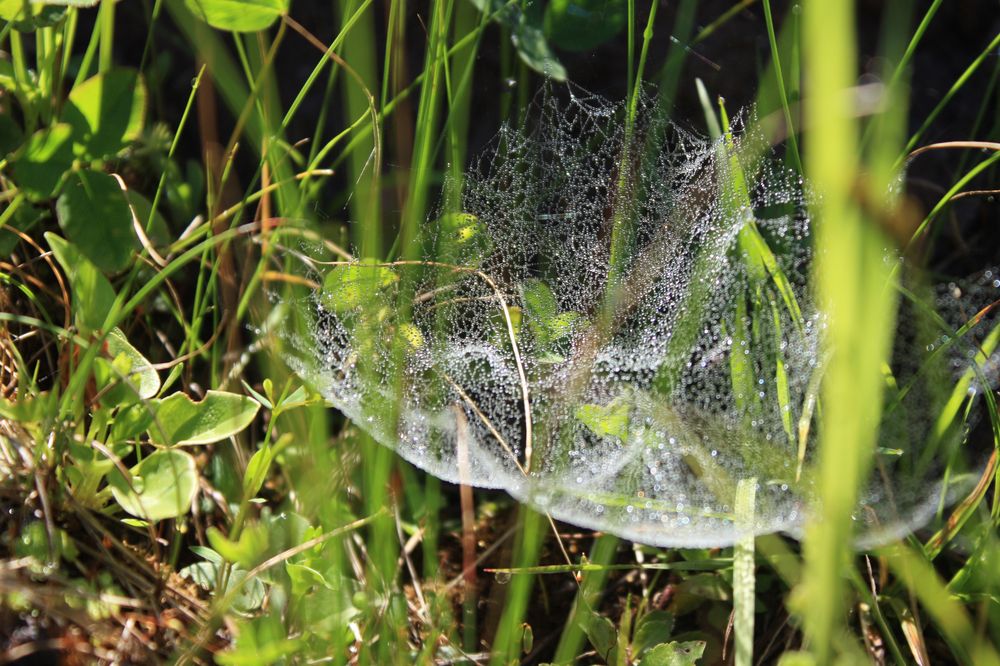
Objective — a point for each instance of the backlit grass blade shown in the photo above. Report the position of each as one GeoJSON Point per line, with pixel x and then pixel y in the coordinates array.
{"type": "Point", "coordinates": [744, 577]}
{"type": "Point", "coordinates": [852, 274]}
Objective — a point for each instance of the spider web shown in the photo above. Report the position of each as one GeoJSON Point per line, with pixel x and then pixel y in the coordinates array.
{"type": "Point", "coordinates": [616, 325]}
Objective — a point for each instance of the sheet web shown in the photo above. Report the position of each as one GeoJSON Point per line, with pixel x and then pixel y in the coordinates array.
{"type": "Point", "coordinates": [617, 326]}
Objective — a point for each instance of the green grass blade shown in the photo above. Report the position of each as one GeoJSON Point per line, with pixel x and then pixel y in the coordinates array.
{"type": "Point", "coordinates": [744, 578]}
{"type": "Point", "coordinates": [852, 276]}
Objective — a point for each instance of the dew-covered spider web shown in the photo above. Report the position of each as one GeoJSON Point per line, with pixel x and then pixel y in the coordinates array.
{"type": "Point", "coordinates": [615, 323]}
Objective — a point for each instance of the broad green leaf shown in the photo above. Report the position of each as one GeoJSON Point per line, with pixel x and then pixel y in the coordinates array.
{"type": "Point", "coordinates": [609, 420]}
{"type": "Point", "coordinates": [674, 654]}
{"type": "Point", "coordinates": [303, 577]}
{"type": "Point", "coordinates": [181, 421]}
{"type": "Point", "coordinates": [600, 632]}
{"type": "Point", "coordinates": [580, 25]}
{"type": "Point", "coordinates": [111, 379]}
{"type": "Point", "coordinates": [143, 376]}
{"type": "Point", "coordinates": [27, 15]}
{"type": "Point", "coordinates": [205, 574]}
{"type": "Point", "coordinates": [163, 486]}
{"type": "Point", "coordinates": [93, 295]}
{"type": "Point", "coordinates": [238, 15]}
{"type": "Point", "coordinates": [288, 529]}
{"type": "Point", "coordinates": [106, 112]}
{"type": "Point", "coordinates": [652, 629]}
{"type": "Point", "coordinates": [463, 239]}
{"type": "Point", "coordinates": [528, 37]}
{"type": "Point", "coordinates": [526, 34]}
{"type": "Point", "coordinates": [11, 135]}
{"type": "Point", "coordinates": [247, 551]}
{"type": "Point", "coordinates": [261, 641]}
{"type": "Point", "coordinates": [539, 302]}
{"type": "Point", "coordinates": [131, 422]}
{"type": "Point", "coordinates": [349, 287]}
{"type": "Point", "coordinates": [47, 155]}
{"type": "Point", "coordinates": [207, 554]}
{"type": "Point", "coordinates": [94, 214]}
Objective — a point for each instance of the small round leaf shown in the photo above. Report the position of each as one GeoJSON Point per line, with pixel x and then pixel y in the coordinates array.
{"type": "Point", "coordinates": [162, 486]}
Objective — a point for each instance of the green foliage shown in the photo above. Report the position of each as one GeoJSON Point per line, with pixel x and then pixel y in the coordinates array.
{"type": "Point", "coordinates": [601, 633]}
{"type": "Point", "coordinates": [674, 654]}
{"type": "Point", "coordinates": [609, 420]}
{"type": "Point", "coordinates": [106, 112]}
{"type": "Point", "coordinates": [247, 594]}
{"type": "Point", "coordinates": [580, 25]}
{"type": "Point", "coordinates": [143, 377]}
{"type": "Point", "coordinates": [644, 640]}
{"type": "Point", "coordinates": [550, 328]}
{"type": "Point", "coordinates": [238, 15]}
{"type": "Point", "coordinates": [131, 422]}
{"type": "Point", "coordinates": [11, 135]}
{"type": "Point", "coordinates": [463, 240]}
{"type": "Point", "coordinates": [27, 15]}
{"type": "Point", "coordinates": [91, 462]}
{"type": "Point", "coordinates": [651, 630]}
{"type": "Point", "coordinates": [47, 155]}
{"type": "Point", "coordinates": [261, 642]}
{"type": "Point", "coordinates": [93, 295]}
{"type": "Point", "coordinates": [34, 542]}
{"type": "Point", "coordinates": [181, 421]}
{"type": "Point", "coordinates": [352, 286]}
{"type": "Point", "coordinates": [95, 216]}
{"type": "Point", "coordinates": [527, 34]}
{"type": "Point", "coordinates": [162, 486]}
{"type": "Point", "coordinates": [246, 551]}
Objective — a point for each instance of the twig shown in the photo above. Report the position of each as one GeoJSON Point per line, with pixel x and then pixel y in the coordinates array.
{"type": "Point", "coordinates": [953, 145]}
